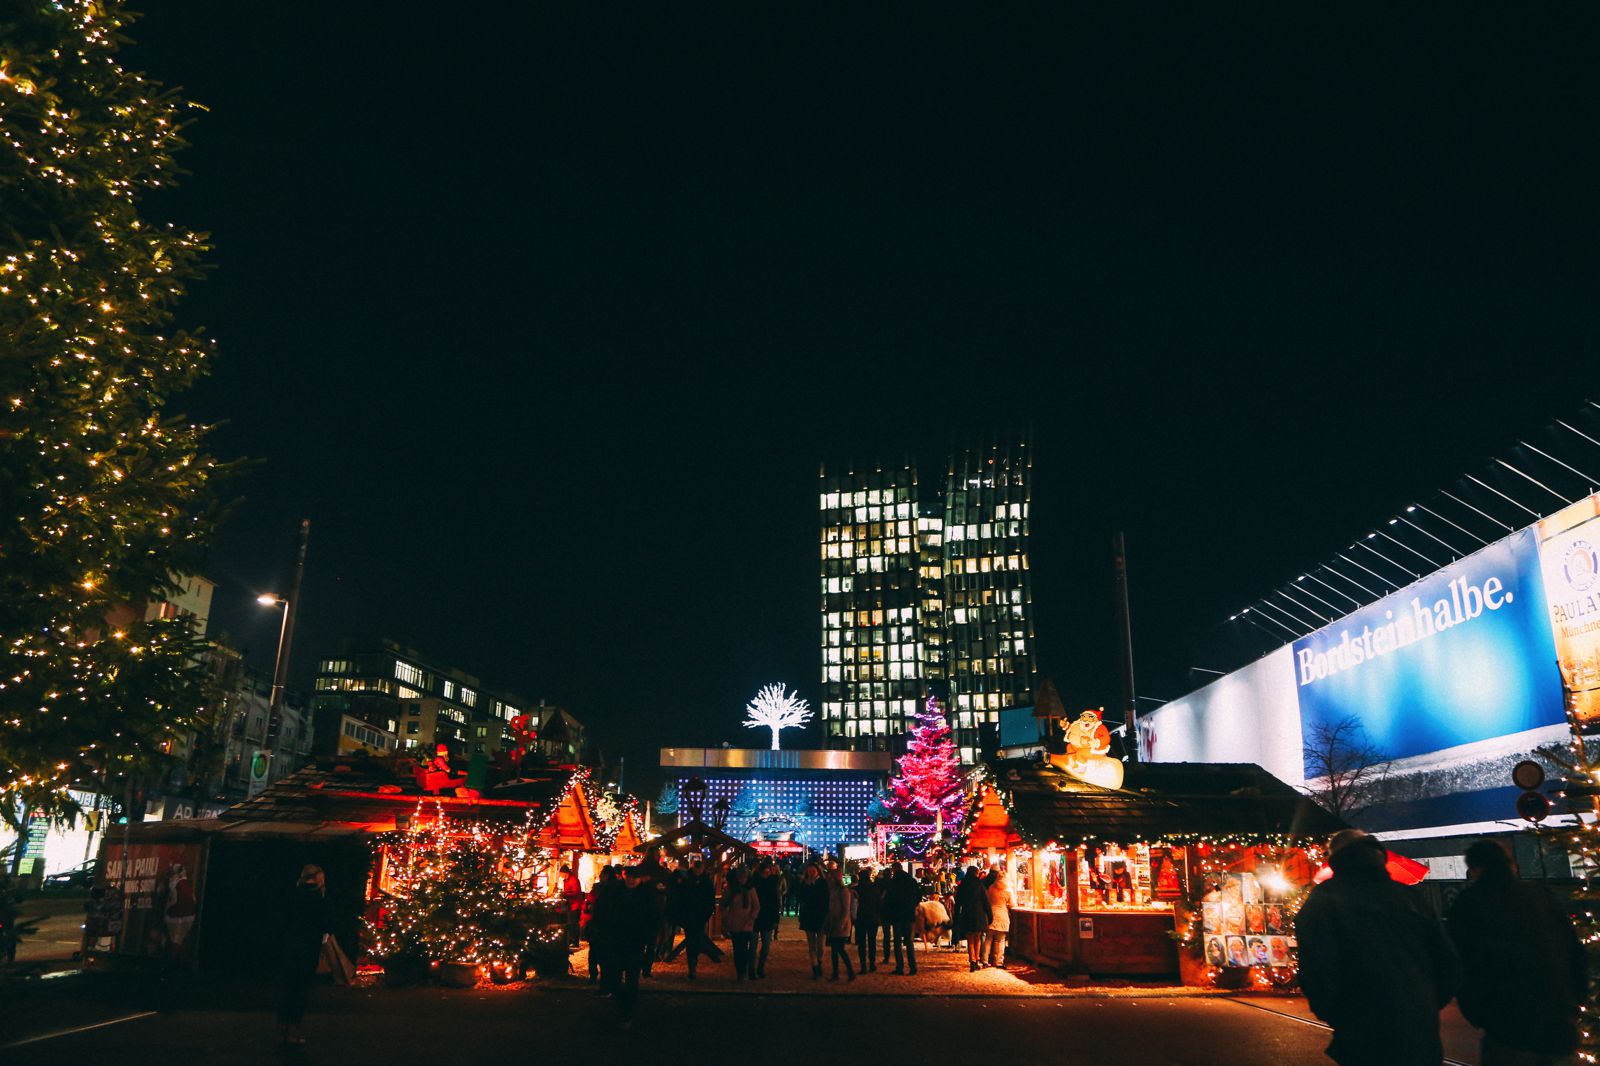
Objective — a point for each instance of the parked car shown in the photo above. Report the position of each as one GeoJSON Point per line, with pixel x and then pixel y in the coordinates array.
{"type": "Point", "coordinates": [81, 877]}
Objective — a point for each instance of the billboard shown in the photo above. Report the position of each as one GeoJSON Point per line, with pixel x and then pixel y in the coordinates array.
{"type": "Point", "coordinates": [1568, 556]}
{"type": "Point", "coordinates": [1450, 677]}
{"type": "Point", "coordinates": [1460, 656]}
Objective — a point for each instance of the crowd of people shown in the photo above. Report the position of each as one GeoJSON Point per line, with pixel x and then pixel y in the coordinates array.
{"type": "Point", "coordinates": [1378, 965]}
{"type": "Point", "coordinates": [1375, 962]}
{"type": "Point", "coordinates": [853, 921]}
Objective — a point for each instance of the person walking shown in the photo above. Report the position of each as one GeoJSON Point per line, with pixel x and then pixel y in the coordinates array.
{"type": "Point", "coordinates": [999, 918]}
{"type": "Point", "coordinates": [840, 922]}
{"type": "Point", "coordinates": [601, 929]}
{"type": "Point", "coordinates": [869, 915]}
{"type": "Point", "coordinates": [1525, 975]}
{"type": "Point", "coordinates": [654, 896]}
{"type": "Point", "coordinates": [699, 904]}
{"type": "Point", "coordinates": [1375, 961]}
{"type": "Point", "coordinates": [813, 904]}
{"type": "Point", "coordinates": [306, 924]}
{"type": "Point", "coordinates": [972, 916]}
{"type": "Point", "coordinates": [739, 912]}
{"type": "Point", "coordinates": [771, 898]}
{"type": "Point", "coordinates": [900, 898]}
{"type": "Point", "coordinates": [572, 895]}
{"type": "Point", "coordinates": [629, 938]}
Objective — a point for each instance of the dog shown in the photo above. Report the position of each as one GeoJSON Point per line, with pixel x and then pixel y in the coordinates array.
{"type": "Point", "coordinates": [930, 921]}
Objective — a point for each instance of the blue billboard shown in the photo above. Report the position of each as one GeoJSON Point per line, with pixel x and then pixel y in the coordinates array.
{"type": "Point", "coordinates": [1463, 655]}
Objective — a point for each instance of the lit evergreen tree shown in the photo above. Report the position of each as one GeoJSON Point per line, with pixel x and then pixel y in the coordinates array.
{"type": "Point", "coordinates": [107, 493]}
{"type": "Point", "coordinates": [929, 783]}
{"type": "Point", "coordinates": [1579, 839]}
{"type": "Point", "coordinates": [462, 893]}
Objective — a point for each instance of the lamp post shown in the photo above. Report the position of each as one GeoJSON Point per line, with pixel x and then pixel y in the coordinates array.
{"type": "Point", "coordinates": [280, 672]}
{"type": "Point", "coordinates": [269, 599]}
{"type": "Point", "coordinates": [275, 700]}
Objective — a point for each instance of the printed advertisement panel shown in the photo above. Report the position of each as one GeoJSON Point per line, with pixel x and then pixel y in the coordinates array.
{"type": "Point", "coordinates": [147, 903]}
{"type": "Point", "coordinates": [1250, 715]}
{"type": "Point", "coordinates": [1569, 554]}
{"type": "Point", "coordinates": [1461, 656]}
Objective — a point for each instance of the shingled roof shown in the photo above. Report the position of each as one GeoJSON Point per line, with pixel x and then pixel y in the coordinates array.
{"type": "Point", "coordinates": [1158, 801]}
{"type": "Point", "coordinates": [368, 791]}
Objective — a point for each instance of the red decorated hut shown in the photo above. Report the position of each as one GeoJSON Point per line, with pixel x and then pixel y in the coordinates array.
{"type": "Point", "coordinates": [1188, 868]}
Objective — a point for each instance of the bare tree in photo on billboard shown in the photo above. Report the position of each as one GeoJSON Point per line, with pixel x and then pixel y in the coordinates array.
{"type": "Point", "coordinates": [1345, 772]}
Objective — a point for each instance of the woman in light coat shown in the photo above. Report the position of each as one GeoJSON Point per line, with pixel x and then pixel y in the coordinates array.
{"type": "Point", "coordinates": [999, 918]}
{"type": "Point", "coordinates": [840, 923]}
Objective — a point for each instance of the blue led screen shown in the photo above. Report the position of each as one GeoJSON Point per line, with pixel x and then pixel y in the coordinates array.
{"type": "Point", "coordinates": [819, 812]}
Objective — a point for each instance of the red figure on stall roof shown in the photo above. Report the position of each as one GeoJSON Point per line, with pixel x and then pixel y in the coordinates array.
{"type": "Point", "coordinates": [436, 776]}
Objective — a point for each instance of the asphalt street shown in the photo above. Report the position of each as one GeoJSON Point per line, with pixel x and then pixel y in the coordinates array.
{"type": "Point", "coordinates": [1018, 1015]}
{"type": "Point", "coordinates": [352, 1027]}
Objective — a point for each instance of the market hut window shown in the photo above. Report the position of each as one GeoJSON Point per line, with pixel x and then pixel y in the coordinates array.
{"type": "Point", "coordinates": [1111, 877]}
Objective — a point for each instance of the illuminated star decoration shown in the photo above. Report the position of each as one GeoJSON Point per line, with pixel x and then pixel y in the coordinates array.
{"type": "Point", "coordinates": [775, 710]}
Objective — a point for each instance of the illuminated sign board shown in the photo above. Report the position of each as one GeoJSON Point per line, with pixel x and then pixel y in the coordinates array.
{"type": "Point", "coordinates": [1461, 656]}
{"type": "Point", "coordinates": [1447, 677]}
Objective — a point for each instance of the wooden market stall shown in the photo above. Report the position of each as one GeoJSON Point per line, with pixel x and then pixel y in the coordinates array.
{"type": "Point", "coordinates": [697, 838]}
{"type": "Point", "coordinates": [1139, 880]}
{"type": "Point", "coordinates": [194, 892]}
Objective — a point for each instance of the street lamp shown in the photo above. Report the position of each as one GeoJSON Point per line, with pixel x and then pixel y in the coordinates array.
{"type": "Point", "coordinates": [269, 599]}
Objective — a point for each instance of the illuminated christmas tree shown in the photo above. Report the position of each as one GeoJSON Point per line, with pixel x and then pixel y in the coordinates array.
{"type": "Point", "coordinates": [1579, 839]}
{"type": "Point", "coordinates": [108, 493]}
{"type": "Point", "coordinates": [929, 788]}
{"type": "Point", "coordinates": [461, 892]}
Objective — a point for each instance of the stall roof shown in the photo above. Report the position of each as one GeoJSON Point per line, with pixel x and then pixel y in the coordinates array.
{"type": "Point", "coordinates": [1158, 801]}
{"type": "Point", "coordinates": [698, 834]}
{"type": "Point", "coordinates": [368, 793]}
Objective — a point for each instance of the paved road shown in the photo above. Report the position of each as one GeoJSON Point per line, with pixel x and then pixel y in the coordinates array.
{"type": "Point", "coordinates": [1019, 1016]}
{"type": "Point", "coordinates": [353, 1027]}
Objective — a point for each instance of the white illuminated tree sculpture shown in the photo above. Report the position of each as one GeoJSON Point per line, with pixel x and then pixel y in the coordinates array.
{"type": "Point", "coordinates": [775, 710]}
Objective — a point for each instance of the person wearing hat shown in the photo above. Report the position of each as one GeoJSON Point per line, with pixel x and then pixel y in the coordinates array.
{"type": "Point", "coordinates": [1525, 970]}
{"type": "Point", "coordinates": [1375, 962]}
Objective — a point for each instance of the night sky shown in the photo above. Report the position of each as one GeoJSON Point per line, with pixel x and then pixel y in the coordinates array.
{"type": "Point", "coordinates": [546, 323]}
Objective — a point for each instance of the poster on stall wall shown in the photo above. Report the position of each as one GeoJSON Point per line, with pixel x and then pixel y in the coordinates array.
{"type": "Point", "coordinates": [1239, 929]}
{"type": "Point", "coordinates": [1164, 881]}
{"type": "Point", "coordinates": [160, 897]}
{"type": "Point", "coordinates": [1569, 558]}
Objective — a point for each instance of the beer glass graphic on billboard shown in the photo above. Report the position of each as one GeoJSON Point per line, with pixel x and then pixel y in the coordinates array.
{"type": "Point", "coordinates": [1569, 557]}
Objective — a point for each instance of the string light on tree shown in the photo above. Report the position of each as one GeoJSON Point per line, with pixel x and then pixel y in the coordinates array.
{"type": "Point", "coordinates": [463, 892]}
{"type": "Point", "coordinates": [107, 494]}
{"type": "Point", "coordinates": [775, 710]}
{"type": "Point", "coordinates": [929, 786]}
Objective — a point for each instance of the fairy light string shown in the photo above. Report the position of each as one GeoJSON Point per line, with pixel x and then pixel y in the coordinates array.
{"type": "Point", "coordinates": [107, 493]}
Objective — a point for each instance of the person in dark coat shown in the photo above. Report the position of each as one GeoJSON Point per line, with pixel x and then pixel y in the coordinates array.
{"type": "Point", "coordinates": [699, 903]}
{"type": "Point", "coordinates": [972, 916]}
{"type": "Point", "coordinates": [1524, 969]}
{"type": "Point", "coordinates": [900, 898]}
{"type": "Point", "coordinates": [869, 915]}
{"type": "Point", "coordinates": [600, 929]}
{"type": "Point", "coordinates": [654, 894]}
{"type": "Point", "coordinates": [768, 891]}
{"type": "Point", "coordinates": [813, 893]}
{"type": "Point", "coordinates": [305, 927]}
{"type": "Point", "coordinates": [632, 934]}
{"type": "Point", "coordinates": [1375, 961]}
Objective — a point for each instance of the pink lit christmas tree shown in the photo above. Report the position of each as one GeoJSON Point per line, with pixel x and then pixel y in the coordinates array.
{"type": "Point", "coordinates": [928, 788]}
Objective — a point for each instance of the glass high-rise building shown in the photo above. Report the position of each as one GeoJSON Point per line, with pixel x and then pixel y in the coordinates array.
{"type": "Point", "coordinates": [926, 589]}
{"type": "Point", "coordinates": [872, 605]}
